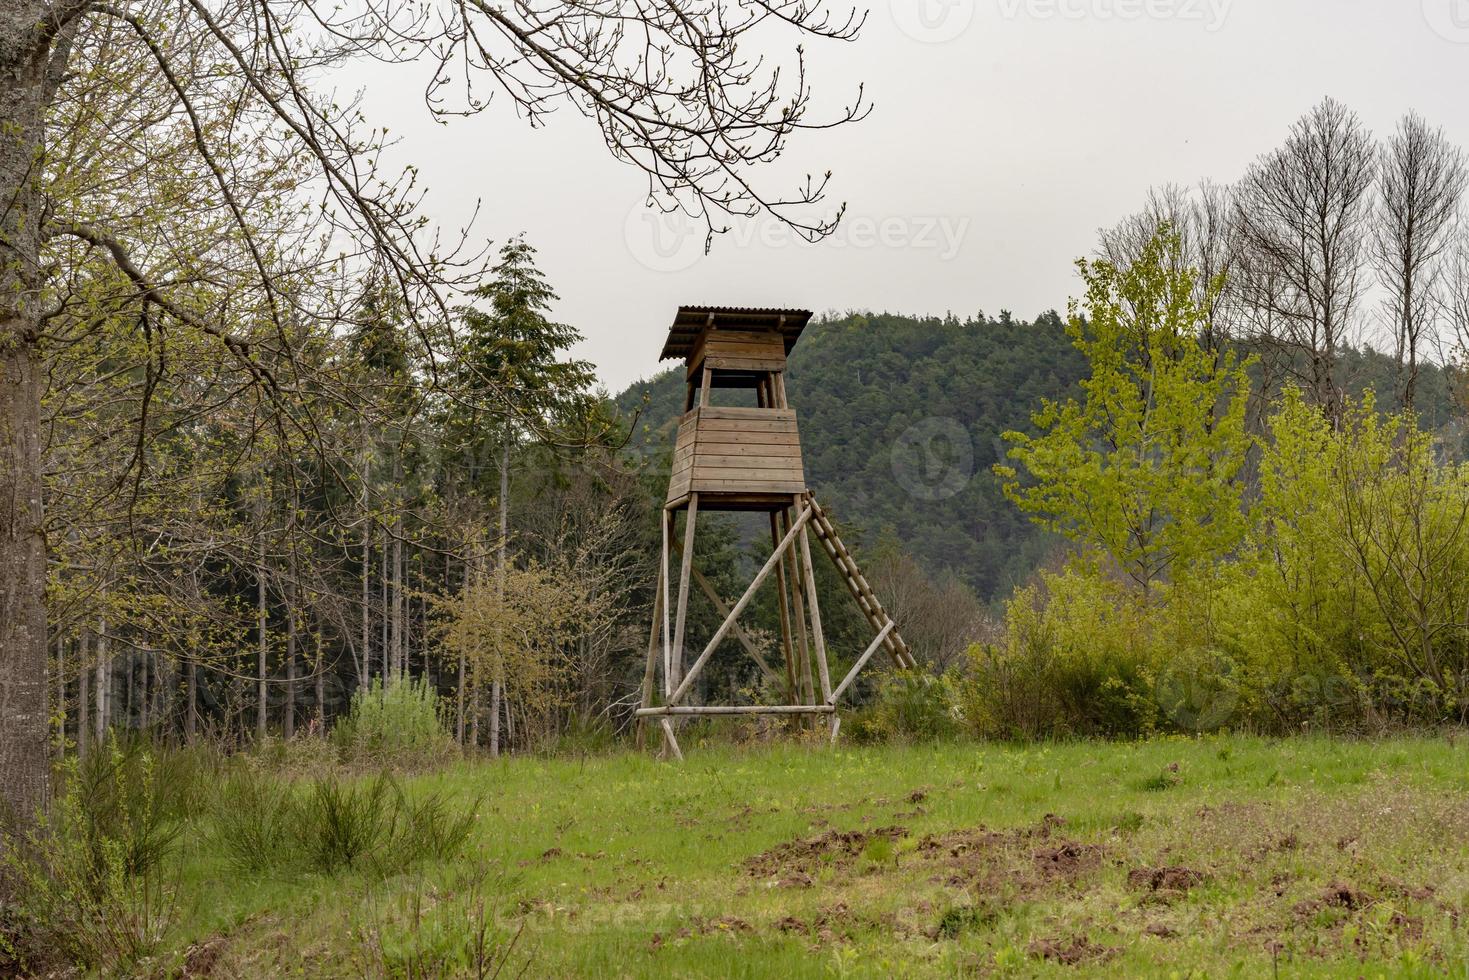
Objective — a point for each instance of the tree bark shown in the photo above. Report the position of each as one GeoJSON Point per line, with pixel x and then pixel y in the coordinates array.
{"type": "Point", "coordinates": [84, 696]}
{"type": "Point", "coordinates": [260, 648]}
{"type": "Point", "coordinates": [104, 684]}
{"type": "Point", "coordinates": [25, 47]}
{"type": "Point", "coordinates": [497, 684]}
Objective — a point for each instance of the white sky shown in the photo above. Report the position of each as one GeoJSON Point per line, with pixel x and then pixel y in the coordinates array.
{"type": "Point", "coordinates": [1005, 133]}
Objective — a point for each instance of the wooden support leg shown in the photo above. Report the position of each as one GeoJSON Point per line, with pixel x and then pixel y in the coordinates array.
{"type": "Point", "coordinates": [818, 638]}
{"type": "Point", "coordinates": [786, 545]}
{"type": "Point", "coordinates": [650, 670]}
{"type": "Point", "coordinates": [684, 570]}
{"type": "Point", "coordinates": [670, 744]}
{"type": "Point", "coordinates": [803, 652]}
{"type": "Point", "coordinates": [722, 608]}
{"type": "Point", "coordinates": [663, 593]}
{"type": "Point", "coordinates": [783, 602]}
{"type": "Point", "coordinates": [836, 727]}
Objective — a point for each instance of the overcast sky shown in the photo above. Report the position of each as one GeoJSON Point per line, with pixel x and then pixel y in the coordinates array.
{"type": "Point", "coordinates": [1004, 134]}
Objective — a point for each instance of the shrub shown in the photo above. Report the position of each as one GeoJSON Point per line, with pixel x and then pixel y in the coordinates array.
{"type": "Point", "coordinates": [91, 879]}
{"type": "Point", "coordinates": [394, 724]}
{"type": "Point", "coordinates": [913, 706]}
{"type": "Point", "coordinates": [255, 820]}
{"type": "Point", "coordinates": [334, 826]}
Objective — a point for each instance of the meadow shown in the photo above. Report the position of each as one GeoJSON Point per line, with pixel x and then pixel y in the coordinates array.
{"type": "Point", "coordinates": [1217, 856]}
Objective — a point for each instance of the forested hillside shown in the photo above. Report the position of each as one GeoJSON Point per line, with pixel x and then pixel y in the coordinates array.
{"type": "Point", "coordinates": [902, 420]}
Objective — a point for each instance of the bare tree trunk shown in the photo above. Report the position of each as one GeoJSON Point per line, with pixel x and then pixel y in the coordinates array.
{"type": "Point", "coordinates": [387, 619]}
{"type": "Point", "coordinates": [288, 725]}
{"type": "Point", "coordinates": [260, 650]}
{"type": "Point", "coordinates": [288, 722]}
{"type": "Point", "coordinates": [497, 684]}
{"type": "Point", "coordinates": [191, 714]}
{"type": "Point", "coordinates": [104, 684]}
{"type": "Point", "coordinates": [84, 696]}
{"type": "Point", "coordinates": [320, 687]}
{"type": "Point", "coordinates": [365, 664]}
{"type": "Point", "coordinates": [24, 91]}
{"type": "Point", "coordinates": [396, 599]}
{"type": "Point", "coordinates": [459, 695]}
{"type": "Point", "coordinates": [59, 712]}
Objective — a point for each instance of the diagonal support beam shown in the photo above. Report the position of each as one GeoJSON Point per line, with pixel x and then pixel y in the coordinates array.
{"type": "Point", "coordinates": [724, 627]}
{"type": "Point", "coordinates": [861, 662]}
{"type": "Point", "coordinates": [722, 607]}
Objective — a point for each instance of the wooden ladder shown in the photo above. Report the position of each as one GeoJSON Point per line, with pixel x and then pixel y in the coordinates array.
{"type": "Point", "coordinates": [857, 584]}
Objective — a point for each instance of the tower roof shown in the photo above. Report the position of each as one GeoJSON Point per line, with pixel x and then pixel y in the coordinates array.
{"type": "Point", "coordinates": [694, 320]}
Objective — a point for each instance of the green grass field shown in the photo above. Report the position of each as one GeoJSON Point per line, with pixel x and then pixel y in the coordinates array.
{"type": "Point", "coordinates": [1210, 857]}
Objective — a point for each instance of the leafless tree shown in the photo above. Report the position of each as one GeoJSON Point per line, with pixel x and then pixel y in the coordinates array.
{"type": "Point", "coordinates": [1304, 219]}
{"type": "Point", "coordinates": [1203, 218]}
{"type": "Point", "coordinates": [1422, 179]}
{"type": "Point", "coordinates": [674, 89]}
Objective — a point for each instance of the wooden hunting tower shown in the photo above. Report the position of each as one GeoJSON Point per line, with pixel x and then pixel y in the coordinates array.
{"type": "Point", "coordinates": [747, 459]}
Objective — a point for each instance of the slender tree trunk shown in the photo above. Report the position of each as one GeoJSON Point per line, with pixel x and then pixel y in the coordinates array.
{"type": "Point", "coordinates": [364, 666]}
{"type": "Point", "coordinates": [497, 685]}
{"type": "Point", "coordinates": [320, 676]}
{"type": "Point", "coordinates": [397, 611]}
{"type": "Point", "coordinates": [260, 649]}
{"type": "Point", "coordinates": [104, 684]}
{"type": "Point", "coordinates": [84, 695]}
{"type": "Point", "coordinates": [24, 90]}
{"type": "Point", "coordinates": [387, 619]}
{"type": "Point", "coordinates": [288, 722]}
{"type": "Point", "coordinates": [459, 696]}
{"type": "Point", "coordinates": [191, 713]}
{"type": "Point", "coordinates": [292, 593]}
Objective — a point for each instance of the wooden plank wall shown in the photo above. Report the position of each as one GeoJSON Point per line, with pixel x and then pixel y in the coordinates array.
{"type": "Point", "coordinates": [737, 450]}
{"type": "Point", "coordinates": [738, 350]}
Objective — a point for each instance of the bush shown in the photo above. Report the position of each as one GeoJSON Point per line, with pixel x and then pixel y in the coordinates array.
{"type": "Point", "coordinates": [91, 879]}
{"type": "Point", "coordinates": [912, 706]}
{"type": "Point", "coordinates": [255, 820]}
{"type": "Point", "coordinates": [332, 826]}
{"type": "Point", "coordinates": [394, 724]}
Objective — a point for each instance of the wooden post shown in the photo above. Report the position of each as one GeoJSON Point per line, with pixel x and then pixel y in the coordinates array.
{"type": "Point", "coordinates": [685, 566]}
{"type": "Point", "coordinates": [798, 602]}
{"type": "Point", "coordinates": [739, 607]}
{"type": "Point", "coordinates": [818, 638]}
{"type": "Point", "coordinates": [663, 578]}
{"type": "Point", "coordinates": [650, 670]}
{"type": "Point", "coordinates": [783, 605]}
{"type": "Point", "coordinates": [861, 662]}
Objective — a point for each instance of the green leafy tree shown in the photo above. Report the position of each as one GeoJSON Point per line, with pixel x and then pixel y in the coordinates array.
{"type": "Point", "coordinates": [513, 355]}
{"type": "Point", "coordinates": [1144, 467]}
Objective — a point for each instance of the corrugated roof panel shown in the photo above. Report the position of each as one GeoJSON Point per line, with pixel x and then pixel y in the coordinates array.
{"type": "Point", "coordinates": [691, 321]}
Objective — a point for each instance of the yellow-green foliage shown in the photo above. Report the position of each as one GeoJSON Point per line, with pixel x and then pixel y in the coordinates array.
{"type": "Point", "coordinates": [1335, 595]}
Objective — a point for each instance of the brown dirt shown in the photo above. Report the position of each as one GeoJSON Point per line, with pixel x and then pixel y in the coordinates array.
{"type": "Point", "coordinates": [1336, 895]}
{"type": "Point", "coordinates": [1067, 860]}
{"type": "Point", "coordinates": [201, 958]}
{"type": "Point", "coordinates": [1166, 879]}
{"type": "Point", "coordinates": [798, 860]}
{"type": "Point", "coordinates": [1069, 952]}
